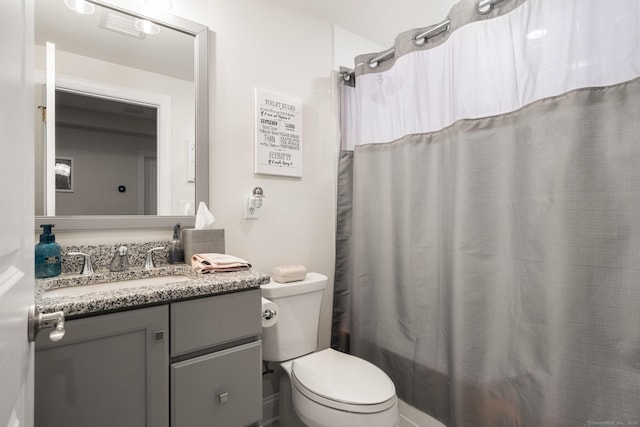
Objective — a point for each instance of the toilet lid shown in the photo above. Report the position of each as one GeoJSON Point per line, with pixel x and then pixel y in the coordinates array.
{"type": "Point", "coordinates": [343, 381]}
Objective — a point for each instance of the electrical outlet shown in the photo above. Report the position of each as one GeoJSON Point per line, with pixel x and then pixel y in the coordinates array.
{"type": "Point", "coordinates": [249, 211]}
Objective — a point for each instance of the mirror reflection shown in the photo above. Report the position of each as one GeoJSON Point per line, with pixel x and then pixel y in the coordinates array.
{"type": "Point", "coordinates": [121, 117]}
{"type": "Point", "coordinates": [104, 145]}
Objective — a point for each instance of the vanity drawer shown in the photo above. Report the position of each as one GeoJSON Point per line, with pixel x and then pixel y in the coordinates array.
{"type": "Point", "coordinates": [222, 389]}
{"type": "Point", "coordinates": [206, 322]}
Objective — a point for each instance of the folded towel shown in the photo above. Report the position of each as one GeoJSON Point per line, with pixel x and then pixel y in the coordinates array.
{"type": "Point", "coordinates": [218, 263]}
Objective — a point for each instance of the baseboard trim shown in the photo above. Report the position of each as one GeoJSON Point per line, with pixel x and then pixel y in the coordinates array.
{"type": "Point", "coordinates": [270, 408]}
{"type": "Point", "coordinates": [406, 422]}
{"type": "Point", "coordinates": [412, 417]}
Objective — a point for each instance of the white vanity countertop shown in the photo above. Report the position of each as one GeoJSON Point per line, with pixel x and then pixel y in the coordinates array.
{"type": "Point", "coordinates": [181, 283]}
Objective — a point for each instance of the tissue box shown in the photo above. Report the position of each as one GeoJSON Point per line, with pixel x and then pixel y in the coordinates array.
{"type": "Point", "coordinates": [289, 273]}
{"type": "Point", "coordinates": [202, 242]}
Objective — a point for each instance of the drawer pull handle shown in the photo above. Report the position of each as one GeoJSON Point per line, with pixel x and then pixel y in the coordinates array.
{"type": "Point", "coordinates": [223, 398]}
{"type": "Point", "coordinates": [159, 335]}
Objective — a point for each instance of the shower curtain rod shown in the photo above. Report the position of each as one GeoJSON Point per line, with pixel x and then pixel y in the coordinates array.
{"type": "Point", "coordinates": [420, 39]}
{"type": "Point", "coordinates": [347, 75]}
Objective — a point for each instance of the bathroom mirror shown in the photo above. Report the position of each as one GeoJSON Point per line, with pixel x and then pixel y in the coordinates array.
{"type": "Point", "coordinates": [131, 116]}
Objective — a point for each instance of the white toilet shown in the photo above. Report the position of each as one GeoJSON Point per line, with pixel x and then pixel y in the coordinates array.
{"type": "Point", "coordinates": [328, 388]}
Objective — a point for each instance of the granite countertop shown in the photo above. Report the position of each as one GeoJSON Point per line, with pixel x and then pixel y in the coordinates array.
{"type": "Point", "coordinates": [175, 288]}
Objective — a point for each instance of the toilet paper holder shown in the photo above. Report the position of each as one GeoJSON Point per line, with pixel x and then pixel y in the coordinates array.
{"type": "Point", "coordinates": [269, 314]}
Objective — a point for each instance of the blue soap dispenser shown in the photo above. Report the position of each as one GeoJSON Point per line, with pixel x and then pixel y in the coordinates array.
{"type": "Point", "coordinates": [48, 254]}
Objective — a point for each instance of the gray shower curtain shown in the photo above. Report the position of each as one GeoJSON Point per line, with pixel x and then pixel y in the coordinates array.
{"type": "Point", "coordinates": [488, 256]}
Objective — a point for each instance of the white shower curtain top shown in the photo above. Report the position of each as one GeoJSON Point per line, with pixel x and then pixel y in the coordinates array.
{"type": "Point", "coordinates": [551, 46]}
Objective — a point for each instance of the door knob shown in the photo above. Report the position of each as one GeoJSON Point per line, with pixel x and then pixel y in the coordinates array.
{"type": "Point", "coordinates": [39, 321]}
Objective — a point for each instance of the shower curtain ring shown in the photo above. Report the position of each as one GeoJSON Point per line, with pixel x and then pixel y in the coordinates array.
{"type": "Point", "coordinates": [485, 6]}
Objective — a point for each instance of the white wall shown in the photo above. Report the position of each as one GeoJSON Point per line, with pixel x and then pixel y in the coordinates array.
{"type": "Point", "coordinates": [346, 45]}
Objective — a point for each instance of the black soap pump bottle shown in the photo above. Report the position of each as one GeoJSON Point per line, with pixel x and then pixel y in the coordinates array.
{"type": "Point", "coordinates": [176, 251]}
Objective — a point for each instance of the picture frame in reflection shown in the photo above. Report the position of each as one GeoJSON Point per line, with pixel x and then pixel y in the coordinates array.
{"type": "Point", "coordinates": [64, 174]}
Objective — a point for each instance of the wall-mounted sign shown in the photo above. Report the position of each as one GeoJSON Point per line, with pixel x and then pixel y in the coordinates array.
{"type": "Point", "coordinates": [278, 134]}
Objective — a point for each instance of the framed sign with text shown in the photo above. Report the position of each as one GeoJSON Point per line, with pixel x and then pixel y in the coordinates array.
{"type": "Point", "coordinates": [278, 134]}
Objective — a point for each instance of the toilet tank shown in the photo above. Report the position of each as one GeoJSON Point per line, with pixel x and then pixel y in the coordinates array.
{"type": "Point", "coordinates": [296, 331]}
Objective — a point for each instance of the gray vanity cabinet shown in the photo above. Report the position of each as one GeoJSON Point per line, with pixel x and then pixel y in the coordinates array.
{"type": "Point", "coordinates": [108, 370]}
{"type": "Point", "coordinates": [191, 363]}
{"type": "Point", "coordinates": [216, 370]}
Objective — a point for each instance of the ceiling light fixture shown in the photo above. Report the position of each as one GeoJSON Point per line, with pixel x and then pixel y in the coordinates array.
{"type": "Point", "coordinates": [120, 23]}
{"type": "Point", "coordinates": [82, 7]}
{"type": "Point", "coordinates": [147, 26]}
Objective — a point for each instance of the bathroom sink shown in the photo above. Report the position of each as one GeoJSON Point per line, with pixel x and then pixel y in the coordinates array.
{"type": "Point", "coordinates": [75, 291]}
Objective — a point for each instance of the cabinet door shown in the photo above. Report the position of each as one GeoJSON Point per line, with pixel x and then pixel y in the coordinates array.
{"type": "Point", "coordinates": [222, 389]}
{"type": "Point", "coordinates": [109, 370]}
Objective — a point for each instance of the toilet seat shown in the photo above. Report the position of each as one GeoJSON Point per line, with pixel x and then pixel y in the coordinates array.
{"type": "Point", "coordinates": [343, 382]}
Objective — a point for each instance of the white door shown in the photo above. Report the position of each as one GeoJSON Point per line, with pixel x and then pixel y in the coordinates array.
{"type": "Point", "coordinates": [16, 211]}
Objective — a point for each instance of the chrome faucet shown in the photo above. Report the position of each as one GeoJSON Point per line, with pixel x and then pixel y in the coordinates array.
{"type": "Point", "coordinates": [120, 260]}
{"type": "Point", "coordinates": [87, 267]}
{"type": "Point", "coordinates": [149, 264]}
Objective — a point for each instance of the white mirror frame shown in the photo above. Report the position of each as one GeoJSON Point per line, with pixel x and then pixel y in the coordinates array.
{"type": "Point", "coordinates": [201, 80]}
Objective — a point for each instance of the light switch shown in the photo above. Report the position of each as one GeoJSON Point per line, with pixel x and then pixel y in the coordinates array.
{"type": "Point", "coordinates": [223, 398]}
